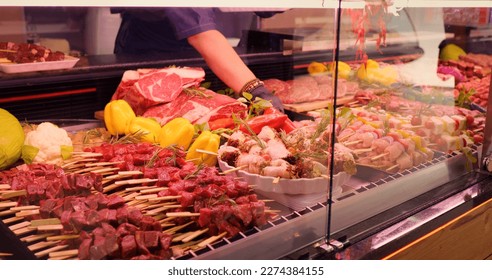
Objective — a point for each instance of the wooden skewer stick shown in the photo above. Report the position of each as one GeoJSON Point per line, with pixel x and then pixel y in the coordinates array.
{"type": "Point", "coordinates": [177, 228]}
{"type": "Point", "coordinates": [22, 208]}
{"type": "Point", "coordinates": [232, 169]}
{"type": "Point", "coordinates": [194, 235]}
{"type": "Point", "coordinates": [6, 213]}
{"type": "Point", "coordinates": [26, 213]}
{"type": "Point", "coordinates": [227, 136]}
{"type": "Point", "coordinates": [8, 204]}
{"type": "Point", "coordinates": [105, 170]}
{"type": "Point", "coordinates": [68, 253]}
{"type": "Point", "coordinates": [35, 237]}
{"type": "Point", "coordinates": [87, 154]}
{"type": "Point", "coordinates": [24, 230]}
{"type": "Point", "coordinates": [62, 237]}
{"type": "Point", "coordinates": [61, 258]}
{"type": "Point", "coordinates": [360, 151]}
{"type": "Point", "coordinates": [341, 139]}
{"type": "Point", "coordinates": [379, 156]}
{"type": "Point", "coordinates": [160, 198]}
{"type": "Point", "coordinates": [75, 161]}
{"type": "Point", "coordinates": [50, 250]}
{"type": "Point", "coordinates": [352, 143]}
{"type": "Point", "coordinates": [130, 173]}
{"type": "Point", "coordinates": [103, 163]}
{"type": "Point", "coordinates": [132, 189]}
{"type": "Point", "coordinates": [136, 202]}
{"type": "Point", "coordinates": [392, 167]}
{"type": "Point", "coordinates": [211, 239]}
{"type": "Point", "coordinates": [45, 222]}
{"type": "Point", "coordinates": [182, 236]}
{"type": "Point", "coordinates": [276, 180]}
{"type": "Point", "coordinates": [165, 219]}
{"type": "Point", "coordinates": [12, 220]}
{"type": "Point", "coordinates": [5, 187]}
{"type": "Point", "coordinates": [13, 194]}
{"type": "Point", "coordinates": [153, 190]}
{"type": "Point", "coordinates": [5, 255]}
{"type": "Point", "coordinates": [182, 214]}
{"type": "Point", "coordinates": [49, 227]}
{"type": "Point", "coordinates": [110, 188]}
{"type": "Point", "coordinates": [146, 197]}
{"type": "Point", "coordinates": [161, 209]}
{"type": "Point", "coordinates": [206, 152]}
{"type": "Point", "coordinates": [164, 225]}
{"type": "Point", "coordinates": [42, 245]}
{"type": "Point", "coordinates": [136, 181]}
{"type": "Point", "coordinates": [19, 225]}
{"type": "Point", "coordinates": [130, 196]}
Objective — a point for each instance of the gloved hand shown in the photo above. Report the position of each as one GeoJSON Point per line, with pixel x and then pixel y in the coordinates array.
{"type": "Point", "coordinates": [264, 93]}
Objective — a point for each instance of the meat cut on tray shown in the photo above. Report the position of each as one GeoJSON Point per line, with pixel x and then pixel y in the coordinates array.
{"type": "Point", "coordinates": [144, 88]}
{"type": "Point", "coordinates": [197, 108]}
{"type": "Point", "coordinates": [304, 89]}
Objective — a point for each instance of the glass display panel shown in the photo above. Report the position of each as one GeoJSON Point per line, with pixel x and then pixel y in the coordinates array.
{"type": "Point", "coordinates": [384, 103]}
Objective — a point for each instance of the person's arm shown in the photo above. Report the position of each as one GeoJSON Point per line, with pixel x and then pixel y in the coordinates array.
{"type": "Point", "coordinates": [227, 65]}
{"type": "Point", "coordinates": [222, 58]}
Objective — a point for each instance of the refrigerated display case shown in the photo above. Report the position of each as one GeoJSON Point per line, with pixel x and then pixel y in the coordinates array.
{"type": "Point", "coordinates": [389, 100]}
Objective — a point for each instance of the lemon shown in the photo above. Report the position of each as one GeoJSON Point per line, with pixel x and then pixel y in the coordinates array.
{"type": "Point", "coordinates": [316, 68]}
{"type": "Point", "coordinates": [451, 52]}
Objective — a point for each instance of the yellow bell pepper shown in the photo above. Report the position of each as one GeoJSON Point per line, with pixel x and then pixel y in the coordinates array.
{"type": "Point", "coordinates": [316, 68]}
{"type": "Point", "coordinates": [178, 131]}
{"type": "Point", "coordinates": [344, 70]}
{"type": "Point", "coordinates": [206, 141]}
{"type": "Point", "coordinates": [148, 126]}
{"type": "Point", "coordinates": [117, 116]}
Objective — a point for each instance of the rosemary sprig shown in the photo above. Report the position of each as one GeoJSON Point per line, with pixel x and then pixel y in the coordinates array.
{"type": "Point", "coordinates": [172, 159]}
{"type": "Point", "coordinates": [323, 124]}
{"type": "Point", "coordinates": [195, 173]}
{"type": "Point", "coordinates": [251, 132]}
{"type": "Point", "coordinates": [154, 157]}
{"type": "Point", "coordinates": [128, 138]}
{"type": "Point", "coordinates": [196, 92]}
{"type": "Point", "coordinates": [91, 133]}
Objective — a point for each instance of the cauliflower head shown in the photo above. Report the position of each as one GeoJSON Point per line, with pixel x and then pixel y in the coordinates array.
{"type": "Point", "coordinates": [50, 141]}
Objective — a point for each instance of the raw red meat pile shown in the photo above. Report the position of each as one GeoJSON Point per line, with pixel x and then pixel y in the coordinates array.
{"type": "Point", "coordinates": [108, 228]}
{"type": "Point", "coordinates": [46, 181]}
{"type": "Point", "coordinates": [26, 53]}
{"type": "Point", "coordinates": [224, 204]}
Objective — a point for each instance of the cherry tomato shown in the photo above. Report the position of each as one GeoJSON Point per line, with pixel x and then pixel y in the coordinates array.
{"type": "Point", "coordinates": [416, 120]}
{"type": "Point", "coordinates": [469, 120]}
{"type": "Point", "coordinates": [477, 138]}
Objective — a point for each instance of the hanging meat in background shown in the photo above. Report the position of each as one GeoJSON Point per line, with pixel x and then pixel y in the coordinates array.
{"type": "Point", "coordinates": [362, 21]}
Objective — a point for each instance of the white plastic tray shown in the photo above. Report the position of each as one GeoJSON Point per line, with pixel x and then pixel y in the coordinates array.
{"type": "Point", "coordinates": [67, 63]}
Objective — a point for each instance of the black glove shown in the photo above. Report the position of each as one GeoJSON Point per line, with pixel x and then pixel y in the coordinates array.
{"type": "Point", "coordinates": [264, 93]}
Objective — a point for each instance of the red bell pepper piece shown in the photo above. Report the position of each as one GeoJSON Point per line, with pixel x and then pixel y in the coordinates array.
{"type": "Point", "coordinates": [288, 126]}
{"type": "Point", "coordinates": [221, 123]}
{"type": "Point", "coordinates": [257, 123]}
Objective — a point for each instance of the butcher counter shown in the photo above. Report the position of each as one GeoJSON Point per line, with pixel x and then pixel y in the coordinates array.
{"type": "Point", "coordinates": [79, 92]}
